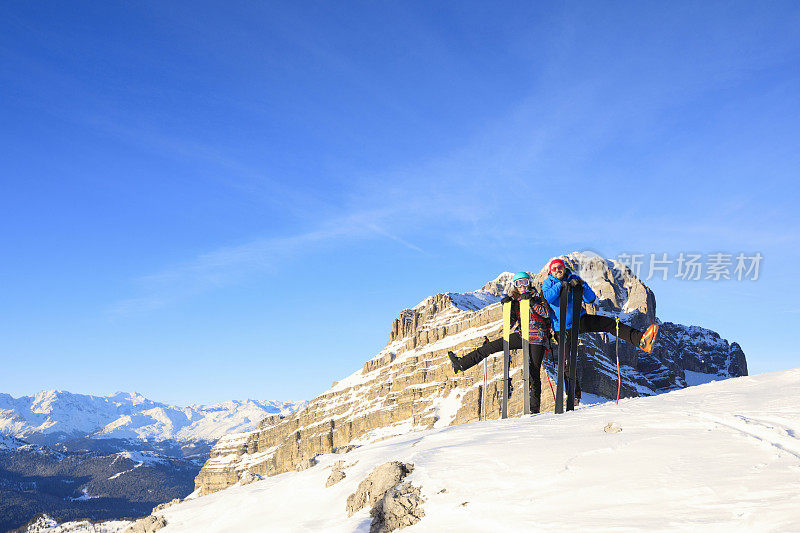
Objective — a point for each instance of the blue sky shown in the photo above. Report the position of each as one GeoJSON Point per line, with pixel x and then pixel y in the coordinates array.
{"type": "Point", "coordinates": [207, 201]}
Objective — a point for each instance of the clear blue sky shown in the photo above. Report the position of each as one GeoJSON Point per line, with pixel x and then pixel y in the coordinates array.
{"type": "Point", "coordinates": [206, 201]}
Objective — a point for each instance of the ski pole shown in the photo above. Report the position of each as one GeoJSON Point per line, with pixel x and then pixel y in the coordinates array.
{"type": "Point", "coordinates": [506, 354]}
{"type": "Point", "coordinates": [483, 408]}
{"type": "Point", "coordinates": [549, 351]}
{"type": "Point", "coordinates": [562, 344]}
{"type": "Point", "coordinates": [619, 374]}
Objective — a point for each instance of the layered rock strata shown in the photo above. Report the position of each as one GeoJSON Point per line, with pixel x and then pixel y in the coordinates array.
{"type": "Point", "coordinates": [409, 385]}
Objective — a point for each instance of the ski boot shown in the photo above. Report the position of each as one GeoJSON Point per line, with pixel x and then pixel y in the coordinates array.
{"type": "Point", "coordinates": [648, 338]}
{"type": "Point", "coordinates": [456, 362]}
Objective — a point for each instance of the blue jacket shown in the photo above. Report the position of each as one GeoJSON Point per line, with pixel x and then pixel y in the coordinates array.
{"type": "Point", "coordinates": [551, 290]}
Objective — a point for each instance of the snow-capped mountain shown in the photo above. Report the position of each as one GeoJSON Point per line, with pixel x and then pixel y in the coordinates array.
{"type": "Point", "coordinates": [54, 416]}
{"type": "Point", "coordinates": [102, 457]}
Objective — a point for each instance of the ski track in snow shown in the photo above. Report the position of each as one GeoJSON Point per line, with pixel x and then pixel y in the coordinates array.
{"type": "Point", "coordinates": [768, 432]}
{"type": "Point", "coordinates": [139, 459]}
{"type": "Point", "coordinates": [135, 466]}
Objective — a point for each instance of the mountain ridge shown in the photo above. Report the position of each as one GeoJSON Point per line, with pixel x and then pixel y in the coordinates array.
{"type": "Point", "coordinates": [84, 456]}
{"type": "Point", "coordinates": [51, 416]}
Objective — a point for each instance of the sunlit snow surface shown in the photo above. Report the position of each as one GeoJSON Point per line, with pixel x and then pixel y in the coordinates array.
{"type": "Point", "coordinates": [699, 378]}
{"type": "Point", "coordinates": [139, 459]}
{"type": "Point", "coordinates": [45, 524]}
{"type": "Point", "coordinates": [724, 456]}
{"type": "Point", "coordinates": [10, 443]}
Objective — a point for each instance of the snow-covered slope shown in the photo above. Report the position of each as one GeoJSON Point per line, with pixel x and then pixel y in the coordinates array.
{"type": "Point", "coordinates": [50, 416]}
{"type": "Point", "coordinates": [723, 456]}
{"type": "Point", "coordinates": [10, 443]}
{"type": "Point", "coordinates": [46, 524]}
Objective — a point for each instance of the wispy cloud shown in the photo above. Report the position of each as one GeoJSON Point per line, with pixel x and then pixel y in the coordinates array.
{"type": "Point", "coordinates": [490, 196]}
{"type": "Point", "coordinates": [232, 264]}
{"type": "Point", "coordinates": [527, 179]}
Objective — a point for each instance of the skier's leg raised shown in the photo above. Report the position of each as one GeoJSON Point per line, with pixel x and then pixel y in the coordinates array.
{"type": "Point", "coordinates": [479, 354]}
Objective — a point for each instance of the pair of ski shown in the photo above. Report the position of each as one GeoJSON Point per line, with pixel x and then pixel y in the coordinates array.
{"type": "Point", "coordinates": [524, 326]}
{"type": "Point", "coordinates": [577, 303]}
{"type": "Point", "coordinates": [524, 314]}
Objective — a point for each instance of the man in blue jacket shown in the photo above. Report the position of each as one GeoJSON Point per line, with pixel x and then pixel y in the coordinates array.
{"type": "Point", "coordinates": [551, 290]}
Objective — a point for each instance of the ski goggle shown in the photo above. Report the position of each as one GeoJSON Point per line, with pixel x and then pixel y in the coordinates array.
{"type": "Point", "coordinates": [522, 282]}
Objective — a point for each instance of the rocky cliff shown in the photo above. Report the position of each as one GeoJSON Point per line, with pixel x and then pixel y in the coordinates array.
{"type": "Point", "coordinates": [409, 385]}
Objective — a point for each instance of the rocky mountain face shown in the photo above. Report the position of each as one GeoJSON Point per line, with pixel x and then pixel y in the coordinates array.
{"type": "Point", "coordinates": [78, 456]}
{"type": "Point", "coordinates": [409, 385]}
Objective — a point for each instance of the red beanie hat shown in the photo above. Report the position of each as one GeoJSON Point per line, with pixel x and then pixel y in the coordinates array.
{"type": "Point", "coordinates": [556, 261]}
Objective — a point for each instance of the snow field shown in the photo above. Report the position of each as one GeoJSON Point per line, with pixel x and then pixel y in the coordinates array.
{"type": "Point", "coordinates": [724, 456]}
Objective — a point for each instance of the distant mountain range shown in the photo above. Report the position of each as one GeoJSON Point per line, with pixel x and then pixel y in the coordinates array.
{"type": "Point", "coordinates": [79, 456]}
{"type": "Point", "coordinates": [51, 417]}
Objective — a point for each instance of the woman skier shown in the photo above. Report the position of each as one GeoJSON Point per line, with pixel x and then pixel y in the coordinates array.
{"type": "Point", "coordinates": [539, 321]}
{"type": "Point", "coordinates": [560, 277]}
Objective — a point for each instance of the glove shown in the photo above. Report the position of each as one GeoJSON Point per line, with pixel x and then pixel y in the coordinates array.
{"type": "Point", "coordinates": [505, 299]}
{"type": "Point", "coordinates": [575, 282]}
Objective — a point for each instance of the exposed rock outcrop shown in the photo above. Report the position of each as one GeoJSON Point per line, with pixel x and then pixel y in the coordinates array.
{"type": "Point", "coordinates": [409, 385]}
{"type": "Point", "coordinates": [247, 477]}
{"type": "Point", "coordinates": [337, 474]}
{"type": "Point", "coordinates": [345, 449]}
{"type": "Point", "coordinates": [306, 463]}
{"type": "Point", "coordinates": [399, 508]}
{"type": "Point", "coordinates": [335, 477]}
{"type": "Point", "coordinates": [374, 486]}
{"type": "Point", "coordinates": [148, 524]}
{"type": "Point", "coordinates": [163, 506]}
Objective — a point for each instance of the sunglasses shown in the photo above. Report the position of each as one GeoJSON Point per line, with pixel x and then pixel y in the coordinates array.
{"type": "Point", "coordinates": [556, 268]}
